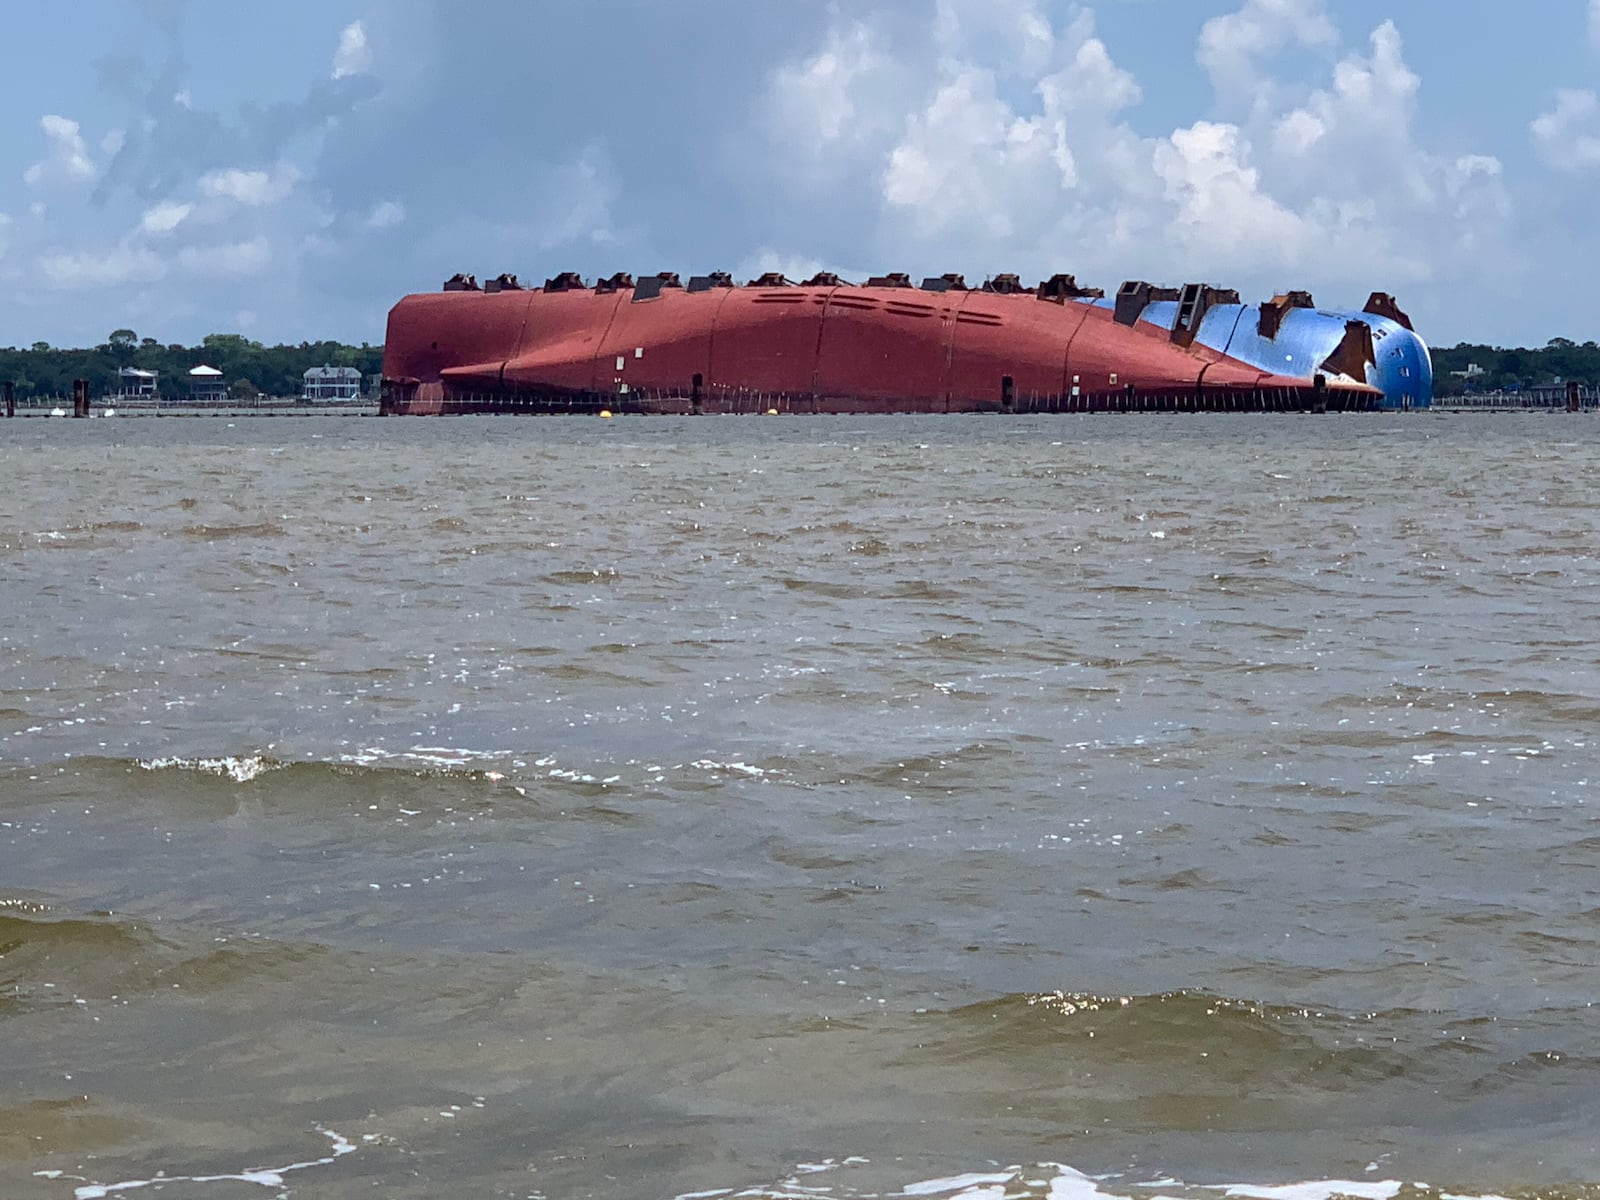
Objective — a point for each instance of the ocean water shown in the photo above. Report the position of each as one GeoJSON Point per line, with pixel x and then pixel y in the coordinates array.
{"type": "Point", "coordinates": [1063, 807]}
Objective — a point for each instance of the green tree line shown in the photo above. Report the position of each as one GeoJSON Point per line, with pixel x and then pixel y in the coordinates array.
{"type": "Point", "coordinates": [1560, 361]}
{"type": "Point", "coordinates": [249, 367]}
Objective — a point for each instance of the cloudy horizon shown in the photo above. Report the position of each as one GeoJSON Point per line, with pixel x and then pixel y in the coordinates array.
{"type": "Point", "coordinates": [182, 169]}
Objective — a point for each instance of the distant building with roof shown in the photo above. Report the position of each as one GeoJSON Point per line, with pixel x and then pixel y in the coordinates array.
{"type": "Point", "coordinates": [331, 383]}
{"type": "Point", "coordinates": [134, 383]}
{"type": "Point", "coordinates": [207, 386]}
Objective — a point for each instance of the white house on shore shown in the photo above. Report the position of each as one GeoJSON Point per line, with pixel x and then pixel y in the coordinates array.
{"type": "Point", "coordinates": [331, 383]}
{"type": "Point", "coordinates": [207, 386]}
{"type": "Point", "coordinates": [136, 384]}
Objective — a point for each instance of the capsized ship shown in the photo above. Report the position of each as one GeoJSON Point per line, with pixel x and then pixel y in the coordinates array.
{"type": "Point", "coordinates": [657, 345]}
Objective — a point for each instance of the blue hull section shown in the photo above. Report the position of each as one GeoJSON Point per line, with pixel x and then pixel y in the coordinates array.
{"type": "Point", "coordinates": [1400, 367]}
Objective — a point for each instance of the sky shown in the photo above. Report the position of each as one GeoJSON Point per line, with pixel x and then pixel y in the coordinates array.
{"type": "Point", "coordinates": [289, 170]}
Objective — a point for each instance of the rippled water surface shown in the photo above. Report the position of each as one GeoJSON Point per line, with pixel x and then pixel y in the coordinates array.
{"type": "Point", "coordinates": [850, 807]}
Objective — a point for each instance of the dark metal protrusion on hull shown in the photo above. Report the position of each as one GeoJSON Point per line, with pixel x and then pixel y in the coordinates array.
{"type": "Point", "coordinates": [894, 279]}
{"type": "Point", "coordinates": [1354, 351]}
{"type": "Point", "coordinates": [1193, 304]}
{"type": "Point", "coordinates": [1273, 312]}
{"type": "Point", "coordinates": [948, 282]}
{"type": "Point", "coordinates": [503, 283]}
{"type": "Point", "coordinates": [567, 281]}
{"type": "Point", "coordinates": [1061, 288]}
{"type": "Point", "coordinates": [826, 279]}
{"type": "Point", "coordinates": [704, 283]}
{"type": "Point", "coordinates": [461, 282]}
{"type": "Point", "coordinates": [621, 281]}
{"type": "Point", "coordinates": [650, 287]}
{"type": "Point", "coordinates": [772, 279]}
{"type": "Point", "coordinates": [1134, 295]}
{"type": "Point", "coordinates": [1004, 284]}
{"type": "Point", "coordinates": [1381, 304]}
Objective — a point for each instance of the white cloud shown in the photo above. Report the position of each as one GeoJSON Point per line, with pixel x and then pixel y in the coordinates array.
{"type": "Point", "coordinates": [841, 95]}
{"type": "Point", "coordinates": [964, 151]}
{"type": "Point", "coordinates": [1568, 136]}
{"type": "Point", "coordinates": [253, 188]}
{"type": "Point", "coordinates": [1369, 96]}
{"type": "Point", "coordinates": [68, 161]}
{"type": "Point", "coordinates": [386, 214]}
{"type": "Point", "coordinates": [1013, 34]}
{"type": "Point", "coordinates": [232, 258]}
{"type": "Point", "coordinates": [111, 268]}
{"type": "Point", "coordinates": [1333, 186]}
{"type": "Point", "coordinates": [966, 165]}
{"type": "Point", "coordinates": [165, 217]}
{"type": "Point", "coordinates": [1297, 133]}
{"type": "Point", "coordinates": [1356, 137]}
{"type": "Point", "coordinates": [577, 204]}
{"type": "Point", "coordinates": [353, 57]}
{"type": "Point", "coordinates": [1217, 193]}
{"type": "Point", "coordinates": [1231, 46]}
{"type": "Point", "coordinates": [1088, 80]}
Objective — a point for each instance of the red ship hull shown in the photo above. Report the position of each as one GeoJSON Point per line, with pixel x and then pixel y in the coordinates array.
{"type": "Point", "coordinates": [569, 348]}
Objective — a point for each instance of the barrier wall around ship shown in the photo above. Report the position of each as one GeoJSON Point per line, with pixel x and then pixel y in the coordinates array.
{"type": "Point", "coordinates": [713, 401]}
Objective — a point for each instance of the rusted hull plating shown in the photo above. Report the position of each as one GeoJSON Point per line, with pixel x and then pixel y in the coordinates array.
{"type": "Point", "coordinates": [825, 347]}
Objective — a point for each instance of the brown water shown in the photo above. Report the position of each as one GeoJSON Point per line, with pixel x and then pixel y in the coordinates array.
{"type": "Point", "coordinates": [840, 807]}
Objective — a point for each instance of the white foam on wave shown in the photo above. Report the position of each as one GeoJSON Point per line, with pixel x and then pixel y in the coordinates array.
{"type": "Point", "coordinates": [1056, 1181]}
{"type": "Point", "coordinates": [240, 769]}
{"type": "Point", "coordinates": [736, 768]}
{"type": "Point", "coordinates": [1385, 1189]}
{"type": "Point", "coordinates": [271, 1177]}
{"type": "Point", "coordinates": [962, 1184]}
{"type": "Point", "coordinates": [427, 756]}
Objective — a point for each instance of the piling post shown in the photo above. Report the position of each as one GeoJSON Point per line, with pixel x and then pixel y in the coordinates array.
{"type": "Point", "coordinates": [11, 398]}
{"type": "Point", "coordinates": [80, 397]}
{"type": "Point", "coordinates": [1319, 386]}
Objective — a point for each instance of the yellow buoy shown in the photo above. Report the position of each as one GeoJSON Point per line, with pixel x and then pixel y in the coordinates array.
{"type": "Point", "coordinates": [605, 413]}
{"type": "Point", "coordinates": [772, 412]}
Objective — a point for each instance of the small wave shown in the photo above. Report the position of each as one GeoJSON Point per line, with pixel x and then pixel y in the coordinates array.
{"type": "Point", "coordinates": [55, 956]}
{"type": "Point", "coordinates": [433, 757]}
{"type": "Point", "coordinates": [856, 1178]}
{"type": "Point", "coordinates": [211, 533]}
{"type": "Point", "coordinates": [732, 768]}
{"type": "Point", "coordinates": [106, 527]}
{"type": "Point", "coordinates": [240, 770]}
{"type": "Point", "coordinates": [270, 1177]}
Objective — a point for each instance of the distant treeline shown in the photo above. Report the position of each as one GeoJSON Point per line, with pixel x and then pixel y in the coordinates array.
{"type": "Point", "coordinates": [1561, 361]}
{"type": "Point", "coordinates": [248, 367]}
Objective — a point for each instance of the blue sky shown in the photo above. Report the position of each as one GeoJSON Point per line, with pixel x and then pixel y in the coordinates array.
{"type": "Point", "coordinates": [287, 171]}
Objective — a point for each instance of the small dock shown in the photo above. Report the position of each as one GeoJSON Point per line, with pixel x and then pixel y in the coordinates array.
{"type": "Point", "coordinates": [1570, 397]}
